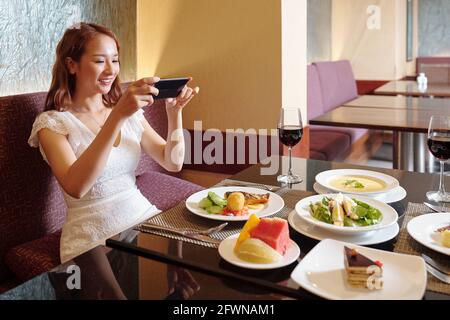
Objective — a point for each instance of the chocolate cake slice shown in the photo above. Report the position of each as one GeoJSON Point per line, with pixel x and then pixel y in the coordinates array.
{"type": "Point", "coordinates": [362, 272]}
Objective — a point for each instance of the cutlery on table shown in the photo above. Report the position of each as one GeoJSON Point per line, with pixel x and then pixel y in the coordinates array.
{"type": "Point", "coordinates": [186, 233]}
{"type": "Point", "coordinates": [434, 208]}
{"type": "Point", "coordinates": [247, 184]}
{"type": "Point", "coordinates": [436, 264]}
{"type": "Point", "coordinates": [436, 273]}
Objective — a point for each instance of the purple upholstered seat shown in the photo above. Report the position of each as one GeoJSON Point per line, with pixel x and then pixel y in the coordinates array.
{"type": "Point", "coordinates": [337, 83]}
{"type": "Point", "coordinates": [337, 77]}
{"type": "Point", "coordinates": [165, 191]}
{"type": "Point", "coordinates": [32, 206]}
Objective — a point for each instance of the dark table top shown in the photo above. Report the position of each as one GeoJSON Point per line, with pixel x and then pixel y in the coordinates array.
{"type": "Point", "coordinates": [377, 118]}
{"type": "Point", "coordinates": [410, 88]}
{"type": "Point", "coordinates": [400, 102]}
{"type": "Point", "coordinates": [142, 265]}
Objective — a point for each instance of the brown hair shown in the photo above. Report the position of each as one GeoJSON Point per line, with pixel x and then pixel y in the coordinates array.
{"type": "Point", "coordinates": [72, 45]}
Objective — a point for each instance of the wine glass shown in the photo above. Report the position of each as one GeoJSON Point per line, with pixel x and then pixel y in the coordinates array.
{"type": "Point", "coordinates": [290, 132]}
{"type": "Point", "coordinates": [439, 145]}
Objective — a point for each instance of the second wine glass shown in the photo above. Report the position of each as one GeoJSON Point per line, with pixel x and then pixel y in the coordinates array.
{"type": "Point", "coordinates": [439, 146]}
{"type": "Point", "coordinates": [290, 132]}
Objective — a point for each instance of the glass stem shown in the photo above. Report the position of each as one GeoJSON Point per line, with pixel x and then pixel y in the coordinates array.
{"type": "Point", "coordinates": [441, 180]}
{"type": "Point", "coordinates": [290, 161]}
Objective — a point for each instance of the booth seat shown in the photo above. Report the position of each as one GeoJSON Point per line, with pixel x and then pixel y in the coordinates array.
{"type": "Point", "coordinates": [330, 84]}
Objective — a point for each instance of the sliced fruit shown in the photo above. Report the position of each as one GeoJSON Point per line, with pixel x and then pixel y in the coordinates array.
{"type": "Point", "coordinates": [256, 251]}
{"type": "Point", "coordinates": [251, 223]}
{"type": "Point", "coordinates": [274, 232]}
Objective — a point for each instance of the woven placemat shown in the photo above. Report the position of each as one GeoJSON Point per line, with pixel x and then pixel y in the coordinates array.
{"type": "Point", "coordinates": [180, 217]}
{"type": "Point", "coordinates": [406, 244]}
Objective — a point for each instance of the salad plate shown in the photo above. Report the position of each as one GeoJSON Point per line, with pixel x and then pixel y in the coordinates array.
{"type": "Point", "coordinates": [226, 251]}
{"type": "Point", "coordinates": [355, 181]}
{"type": "Point", "coordinates": [423, 229]}
{"type": "Point", "coordinates": [364, 239]}
{"type": "Point", "coordinates": [275, 203]}
{"type": "Point", "coordinates": [391, 196]}
{"type": "Point", "coordinates": [377, 214]}
{"type": "Point", "coordinates": [322, 272]}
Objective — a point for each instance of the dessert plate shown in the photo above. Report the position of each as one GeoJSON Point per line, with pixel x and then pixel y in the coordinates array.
{"type": "Point", "coordinates": [389, 218]}
{"type": "Point", "coordinates": [423, 230]}
{"type": "Point", "coordinates": [375, 182]}
{"type": "Point", "coordinates": [275, 203]}
{"type": "Point", "coordinates": [366, 239]}
{"type": "Point", "coordinates": [394, 195]}
{"type": "Point", "coordinates": [226, 251]}
{"type": "Point", "coordinates": [322, 272]}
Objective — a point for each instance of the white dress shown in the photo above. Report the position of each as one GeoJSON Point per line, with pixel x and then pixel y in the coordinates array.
{"type": "Point", "coordinates": [113, 204]}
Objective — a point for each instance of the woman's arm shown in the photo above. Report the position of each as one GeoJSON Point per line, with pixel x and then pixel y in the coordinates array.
{"type": "Point", "coordinates": [77, 176]}
{"type": "Point", "coordinates": [169, 154]}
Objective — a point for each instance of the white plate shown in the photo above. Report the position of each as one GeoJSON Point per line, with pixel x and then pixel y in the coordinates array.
{"type": "Point", "coordinates": [389, 218]}
{"type": "Point", "coordinates": [274, 205]}
{"type": "Point", "coordinates": [365, 239]}
{"type": "Point", "coordinates": [394, 195]}
{"type": "Point", "coordinates": [325, 177]}
{"type": "Point", "coordinates": [226, 251]}
{"type": "Point", "coordinates": [322, 272]}
{"type": "Point", "coordinates": [422, 229]}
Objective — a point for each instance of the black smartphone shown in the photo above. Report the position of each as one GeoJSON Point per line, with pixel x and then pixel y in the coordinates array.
{"type": "Point", "coordinates": [170, 87]}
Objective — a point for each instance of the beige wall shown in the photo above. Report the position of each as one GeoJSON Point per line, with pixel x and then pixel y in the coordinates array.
{"type": "Point", "coordinates": [231, 48]}
{"type": "Point", "coordinates": [378, 54]}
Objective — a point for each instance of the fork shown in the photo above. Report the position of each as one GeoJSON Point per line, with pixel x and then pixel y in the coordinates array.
{"type": "Point", "coordinates": [208, 231]}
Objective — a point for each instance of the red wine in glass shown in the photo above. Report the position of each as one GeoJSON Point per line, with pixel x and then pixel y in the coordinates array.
{"type": "Point", "coordinates": [290, 135]}
{"type": "Point", "coordinates": [290, 132]}
{"type": "Point", "coordinates": [439, 145]}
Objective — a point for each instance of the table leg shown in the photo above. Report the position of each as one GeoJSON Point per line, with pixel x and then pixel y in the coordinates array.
{"type": "Point", "coordinates": [395, 149]}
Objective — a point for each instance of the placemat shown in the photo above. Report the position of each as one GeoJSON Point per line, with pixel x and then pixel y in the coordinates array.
{"type": "Point", "coordinates": [406, 244]}
{"type": "Point", "coordinates": [180, 217]}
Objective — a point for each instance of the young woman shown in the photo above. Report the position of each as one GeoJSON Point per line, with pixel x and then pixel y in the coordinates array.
{"type": "Point", "coordinates": [91, 136]}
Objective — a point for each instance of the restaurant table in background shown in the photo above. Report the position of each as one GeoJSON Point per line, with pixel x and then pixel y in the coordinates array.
{"type": "Point", "coordinates": [411, 88]}
{"type": "Point", "coordinates": [407, 117]}
{"type": "Point", "coordinates": [141, 265]}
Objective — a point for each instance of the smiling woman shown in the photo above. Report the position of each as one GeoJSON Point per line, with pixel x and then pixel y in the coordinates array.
{"type": "Point", "coordinates": [91, 136]}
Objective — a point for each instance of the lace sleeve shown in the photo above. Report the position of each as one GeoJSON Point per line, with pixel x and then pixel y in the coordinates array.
{"type": "Point", "coordinates": [50, 120]}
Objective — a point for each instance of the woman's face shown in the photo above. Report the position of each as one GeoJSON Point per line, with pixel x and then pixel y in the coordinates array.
{"type": "Point", "coordinates": [98, 67]}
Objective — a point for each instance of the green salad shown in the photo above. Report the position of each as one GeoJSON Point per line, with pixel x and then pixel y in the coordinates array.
{"type": "Point", "coordinates": [344, 211]}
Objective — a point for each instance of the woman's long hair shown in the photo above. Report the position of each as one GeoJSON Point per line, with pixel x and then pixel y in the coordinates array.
{"type": "Point", "coordinates": [72, 45]}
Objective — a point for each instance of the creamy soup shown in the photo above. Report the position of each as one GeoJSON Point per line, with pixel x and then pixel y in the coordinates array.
{"type": "Point", "coordinates": [355, 183]}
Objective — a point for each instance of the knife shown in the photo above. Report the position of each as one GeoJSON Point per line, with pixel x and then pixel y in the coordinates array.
{"type": "Point", "coordinates": [437, 273]}
{"type": "Point", "coordinates": [195, 236]}
{"type": "Point", "coordinates": [436, 264]}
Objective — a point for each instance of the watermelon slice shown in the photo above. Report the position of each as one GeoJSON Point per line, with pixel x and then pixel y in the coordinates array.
{"type": "Point", "coordinates": [274, 232]}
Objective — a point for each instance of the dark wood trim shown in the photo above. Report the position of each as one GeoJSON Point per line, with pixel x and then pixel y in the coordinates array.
{"type": "Point", "coordinates": [369, 86]}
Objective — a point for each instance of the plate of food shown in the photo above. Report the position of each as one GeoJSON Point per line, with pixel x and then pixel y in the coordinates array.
{"type": "Point", "coordinates": [338, 270]}
{"type": "Point", "coordinates": [346, 214]}
{"type": "Point", "coordinates": [432, 230]}
{"type": "Point", "coordinates": [363, 239]}
{"type": "Point", "coordinates": [263, 243]}
{"type": "Point", "coordinates": [234, 203]}
{"type": "Point", "coordinates": [391, 196]}
{"type": "Point", "coordinates": [355, 181]}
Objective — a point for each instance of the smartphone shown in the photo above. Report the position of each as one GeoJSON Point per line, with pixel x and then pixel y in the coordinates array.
{"type": "Point", "coordinates": [170, 87]}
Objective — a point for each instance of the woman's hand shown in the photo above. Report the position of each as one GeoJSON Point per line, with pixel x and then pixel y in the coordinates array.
{"type": "Point", "coordinates": [175, 105]}
{"type": "Point", "coordinates": [138, 95]}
